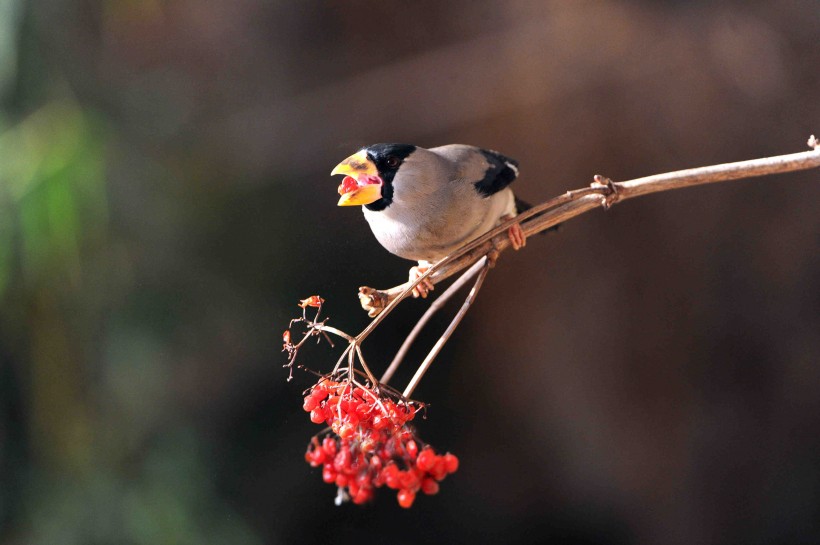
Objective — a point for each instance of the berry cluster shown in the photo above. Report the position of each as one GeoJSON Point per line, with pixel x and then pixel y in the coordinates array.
{"type": "Point", "coordinates": [371, 444]}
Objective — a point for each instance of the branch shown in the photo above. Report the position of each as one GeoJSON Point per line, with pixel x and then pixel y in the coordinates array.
{"type": "Point", "coordinates": [425, 365]}
{"type": "Point", "coordinates": [602, 192]}
{"type": "Point", "coordinates": [435, 306]}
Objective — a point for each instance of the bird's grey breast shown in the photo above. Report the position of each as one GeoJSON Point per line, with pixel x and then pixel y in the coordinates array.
{"type": "Point", "coordinates": [433, 229]}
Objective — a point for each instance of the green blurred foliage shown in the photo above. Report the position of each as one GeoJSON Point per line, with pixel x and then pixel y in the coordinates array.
{"type": "Point", "coordinates": [69, 438]}
{"type": "Point", "coordinates": [84, 486]}
{"type": "Point", "coordinates": [53, 194]}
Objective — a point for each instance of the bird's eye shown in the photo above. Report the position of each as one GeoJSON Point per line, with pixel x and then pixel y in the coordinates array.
{"type": "Point", "coordinates": [392, 161]}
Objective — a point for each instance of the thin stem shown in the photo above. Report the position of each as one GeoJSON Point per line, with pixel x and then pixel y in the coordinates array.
{"type": "Point", "coordinates": [447, 333]}
{"type": "Point", "coordinates": [720, 173]}
{"type": "Point", "coordinates": [370, 376]}
{"type": "Point", "coordinates": [325, 328]}
{"type": "Point", "coordinates": [376, 399]}
{"type": "Point", "coordinates": [342, 357]}
{"type": "Point", "coordinates": [434, 307]}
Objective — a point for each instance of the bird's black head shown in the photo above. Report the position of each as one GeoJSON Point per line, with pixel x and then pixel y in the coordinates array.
{"type": "Point", "coordinates": [387, 158]}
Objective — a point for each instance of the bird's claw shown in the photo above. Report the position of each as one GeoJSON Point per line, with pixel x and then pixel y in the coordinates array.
{"type": "Point", "coordinates": [425, 286]}
{"type": "Point", "coordinates": [373, 300]}
{"type": "Point", "coordinates": [516, 234]}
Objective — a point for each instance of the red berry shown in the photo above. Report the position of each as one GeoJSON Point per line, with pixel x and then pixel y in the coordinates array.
{"type": "Point", "coordinates": [328, 474]}
{"type": "Point", "coordinates": [379, 422]}
{"type": "Point", "coordinates": [426, 460]}
{"type": "Point", "coordinates": [363, 496]}
{"type": "Point", "coordinates": [310, 403]}
{"type": "Point", "coordinates": [346, 431]}
{"type": "Point", "coordinates": [429, 486]}
{"type": "Point", "coordinates": [319, 392]}
{"type": "Point", "coordinates": [348, 184]}
{"type": "Point", "coordinates": [315, 457]}
{"type": "Point", "coordinates": [363, 411]}
{"type": "Point", "coordinates": [409, 480]}
{"type": "Point", "coordinates": [439, 470]}
{"type": "Point", "coordinates": [451, 462]}
{"type": "Point", "coordinates": [352, 419]}
{"type": "Point", "coordinates": [342, 460]}
{"type": "Point", "coordinates": [312, 301]}
{"type": "Point", "coordinates": [412, 449]}
{"type": "Point", "coordinates": [406, 498]}
{"type": "Point", "coordinates": [367, 445]}
{"type": "Point", "coordinates": [391, 477]}
{"type": "Point", "coordinates": [329, 446]}
{"type": "Point", "coordinates": [317, 415]}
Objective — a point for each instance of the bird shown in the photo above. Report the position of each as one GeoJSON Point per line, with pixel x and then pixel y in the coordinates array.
{"type": "Point", "coordinates": [422, 204]}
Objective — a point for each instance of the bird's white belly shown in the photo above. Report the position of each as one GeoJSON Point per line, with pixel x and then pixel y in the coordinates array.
{"type": "Point", "coordinates": [410, 241]}
{"type": "Point", "coordinates": [432, 236]}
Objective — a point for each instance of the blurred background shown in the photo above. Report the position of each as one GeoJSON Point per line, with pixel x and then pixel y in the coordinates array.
{"type": "Point", "coordinates": [648, 374]}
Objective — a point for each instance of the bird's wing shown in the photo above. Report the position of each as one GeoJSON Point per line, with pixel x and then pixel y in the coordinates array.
{"type": "Point", "coordinates": [487, 171]}
{"type": "Point", "coordinates": [501, 172]}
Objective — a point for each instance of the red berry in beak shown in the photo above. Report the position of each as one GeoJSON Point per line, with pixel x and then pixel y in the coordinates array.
{"type": "Point", "coordinates": [348, 184]}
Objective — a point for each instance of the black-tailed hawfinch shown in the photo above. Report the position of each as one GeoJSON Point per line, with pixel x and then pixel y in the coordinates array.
{"type": "Point", "coordinates": [422, 204]}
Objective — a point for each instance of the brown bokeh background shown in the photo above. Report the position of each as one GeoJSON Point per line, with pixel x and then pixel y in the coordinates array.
{"type": "Point", "coordinates": [649, 374]}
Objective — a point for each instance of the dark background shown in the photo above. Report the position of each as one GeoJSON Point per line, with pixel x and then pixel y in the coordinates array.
{"type": "Point", "coordinates": [649, 374]}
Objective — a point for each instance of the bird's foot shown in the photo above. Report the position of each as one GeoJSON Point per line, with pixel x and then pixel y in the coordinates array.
{"type": "Point", "coordinates": [425, 286]}
{"type": "Point", "coordinates": [516, 234]}
{"type": "Point", "coordinates": [373, 300]}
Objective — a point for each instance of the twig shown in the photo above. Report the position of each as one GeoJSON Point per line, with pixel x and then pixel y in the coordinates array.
{"type": "Point", "coordinates": [602, 192]}
{"type": "Point", "coordinates": [448, 332]}
{"type": "Point", "coordinates": [434, 307]}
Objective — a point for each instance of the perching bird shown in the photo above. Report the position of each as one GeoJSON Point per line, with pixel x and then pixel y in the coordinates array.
{"type": "Point", "coordinates": [422, 204]}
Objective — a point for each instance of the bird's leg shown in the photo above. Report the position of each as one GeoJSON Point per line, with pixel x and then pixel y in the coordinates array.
{"type": "Point", "coordinates": [426, 285]}
{"type": "Point", "coordinates": [517, 237]}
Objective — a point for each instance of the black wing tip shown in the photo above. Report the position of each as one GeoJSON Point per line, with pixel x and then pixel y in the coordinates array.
{"type": "Point", "coordinates": [502, 171]}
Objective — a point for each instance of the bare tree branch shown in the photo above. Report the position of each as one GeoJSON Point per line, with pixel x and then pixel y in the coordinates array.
{"type": "Point", "coordinates": [434, 307]}
{"type": "Point", "coordinates": [425, 365]}
{"type": "Point", "coordinates": [601, 193]}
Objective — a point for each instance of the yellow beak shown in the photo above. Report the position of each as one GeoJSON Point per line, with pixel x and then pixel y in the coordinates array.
{"type": "Point", "coordinates": [359, 167]}
{"type": "Point", "coordinates": [364, 195]}
{"type": "Point", "coordinates": [356, 165]}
